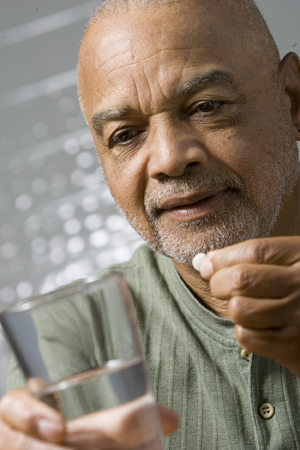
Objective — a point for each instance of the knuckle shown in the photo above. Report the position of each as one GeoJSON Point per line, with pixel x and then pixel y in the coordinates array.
{"type": "Point", "coordinates": [27, 419]}
{"type": "Point", "coordinates": [22, 442]}
{"type": "Point", "coordinates": [242, 278]}
{"type": "Point", "coordinates": [295, 241]}
{"type": "Point", "coordinates": [241, 311]}
{"type": "Point", "coordinates": [242, 336]}
{"type": "Point", "coordinates": [11, 439]}
{"type": "Point", "coordinates": [260, 250]}
{"type": "Point", "coordinates": [12, 404]}
{"type": "Point", "coordinates": [6, 403]}
{"type": "Point", "coordinates": [293, 277]}
{"type": "Point", "coordinates": [4, 436]}
{"type": "Point", "coordinates": [215, 285]}
{"type": "Point", "coordinates": [235, 309]}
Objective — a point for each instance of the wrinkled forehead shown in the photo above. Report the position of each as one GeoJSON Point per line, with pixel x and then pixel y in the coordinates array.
{"type": "Point", "coordinates": [165, 43]}
{"type": "Point", "coordinates": [161, 26]}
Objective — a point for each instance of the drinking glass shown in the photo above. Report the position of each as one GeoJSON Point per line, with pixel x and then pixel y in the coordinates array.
{"type": "Point", "coordinates": [79, 350]}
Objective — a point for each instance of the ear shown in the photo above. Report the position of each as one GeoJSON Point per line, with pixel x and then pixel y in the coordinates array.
{"type": "Point", "coordinates": [290, 81]}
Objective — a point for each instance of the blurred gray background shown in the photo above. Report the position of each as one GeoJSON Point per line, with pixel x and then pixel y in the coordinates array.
{"type": "Point", "coordinates": [58, 221]}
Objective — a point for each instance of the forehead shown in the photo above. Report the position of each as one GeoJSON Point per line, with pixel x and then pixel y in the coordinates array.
{"type": "Point", "coordinates": [161, 47]}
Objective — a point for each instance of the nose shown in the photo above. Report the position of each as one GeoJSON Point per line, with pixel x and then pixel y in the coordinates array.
{"type": "Point", "coordinates": [174, 150]}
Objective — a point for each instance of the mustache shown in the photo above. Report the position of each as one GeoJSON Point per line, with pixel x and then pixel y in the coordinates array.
{"type": "Point", "coordinates": [189, 184]}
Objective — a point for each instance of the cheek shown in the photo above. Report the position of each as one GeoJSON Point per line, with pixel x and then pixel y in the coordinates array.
{"type": "Point", "coordinates": [127, 183]}
{"type": "Point", "coordinates": [249, 155]}
{"type": "Point", "coordinates": [235, 149]}
{"type": "Point", "coordinates": [126, 180]}
{"type": "Point", "coordinates": [247, 143]}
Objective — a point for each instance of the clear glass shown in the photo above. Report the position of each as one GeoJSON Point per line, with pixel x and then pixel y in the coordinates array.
{"type": "Point", "coordinates": [79, 350]}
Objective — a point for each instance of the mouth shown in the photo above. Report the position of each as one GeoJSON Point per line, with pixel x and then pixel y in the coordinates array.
{"type": "Point", "coordinates": [194, 206]}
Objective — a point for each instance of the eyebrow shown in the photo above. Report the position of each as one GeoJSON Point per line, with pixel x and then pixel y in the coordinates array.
{"type": "Point", "coordinates": [109, 115]}
{"type": "Point", "coordinates": [214, 77]}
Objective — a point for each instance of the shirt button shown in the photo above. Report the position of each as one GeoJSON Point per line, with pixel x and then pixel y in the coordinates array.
{"type": "Point", "coordinates": [266, 410]}
{"type": "Point", "coordinates": [245, 354]}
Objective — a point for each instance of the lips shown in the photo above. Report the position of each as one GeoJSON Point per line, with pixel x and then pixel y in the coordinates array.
{"type": "Point", "coordinates": [193, 206]}
{"type": "Point", "coordinates": [175, 202]}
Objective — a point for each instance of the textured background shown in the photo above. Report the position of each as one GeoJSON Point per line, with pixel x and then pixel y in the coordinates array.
{"type": "Point", "coordinates": [58, 221]}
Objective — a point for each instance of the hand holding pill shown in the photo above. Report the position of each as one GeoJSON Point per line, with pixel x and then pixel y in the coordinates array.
{"type": "Point", "coordinates": [260, 281]}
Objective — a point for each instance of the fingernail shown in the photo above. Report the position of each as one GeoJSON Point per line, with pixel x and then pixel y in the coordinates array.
{"type": "Point", "coordinates": [49, 430]}
{"type": "Point", "coordinates": [207, 270]}
{"type": "Point", "coordinates": [198, 261]}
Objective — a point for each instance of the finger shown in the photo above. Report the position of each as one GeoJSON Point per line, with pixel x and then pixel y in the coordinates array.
{"type": "Point", "coordinates": [281, 345]}
{"type": "Point", "coordinates": [11, 439]}
{"type": "Point", "coordinates": [255, 280]}
{"type": "Point", "coordinates": [21, 411]}
{"type": "Point", "coordinates": [35, 385]}
{"type": "Point", "coordinates": [260, 314]}
{"type": "Point", "coordinates": [276, 251]}
{"type": "Point", "coordinates": [169, 420]}
{"type": "Point", "coordinates": [126, 426]}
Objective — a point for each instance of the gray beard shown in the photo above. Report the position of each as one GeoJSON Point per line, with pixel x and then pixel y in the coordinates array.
{"type": "Point", "coordinates": [237, 221]}
{"type": "Point", "coordinates": [216, 230]}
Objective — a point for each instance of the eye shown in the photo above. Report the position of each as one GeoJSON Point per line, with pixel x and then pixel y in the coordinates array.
{"type": "Point", "coordinates": [123, 137]}
{"type": "Point", "coordinates": [205, 107]}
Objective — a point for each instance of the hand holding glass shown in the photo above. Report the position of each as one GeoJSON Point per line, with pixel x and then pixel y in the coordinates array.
{"type": "Point", "coordinates": [79, 350]}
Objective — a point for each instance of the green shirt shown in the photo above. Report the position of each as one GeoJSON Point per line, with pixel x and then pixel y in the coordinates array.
{"type": "Point", "coordinates": [196, 367]}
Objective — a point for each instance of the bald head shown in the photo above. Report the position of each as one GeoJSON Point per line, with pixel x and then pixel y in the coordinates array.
{"type": "Point", "coordinates": [108, 7]}
{"type": "Point", "coordinates": [248, 19]}
{"type": "Point", "coordinates": [245, 22]}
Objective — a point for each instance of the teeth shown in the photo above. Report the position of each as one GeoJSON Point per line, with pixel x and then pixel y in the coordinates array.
{"type": "Point", "coordinates": [198, 260]}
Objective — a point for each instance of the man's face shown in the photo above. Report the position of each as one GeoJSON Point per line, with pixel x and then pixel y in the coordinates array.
{"type": "Point", "coordinates": [193, 137]}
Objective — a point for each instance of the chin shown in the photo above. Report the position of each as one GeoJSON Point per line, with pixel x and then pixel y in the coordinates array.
{"type": "Point", "coordinates": [185, 240]}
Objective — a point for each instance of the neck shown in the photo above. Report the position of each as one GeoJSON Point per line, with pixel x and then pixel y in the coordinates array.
{"type": "Point", "coordinates": [201, 290]}
{"type": "Point", "coordinates": [288, 223]}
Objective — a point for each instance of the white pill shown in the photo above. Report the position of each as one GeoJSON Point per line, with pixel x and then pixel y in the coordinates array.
{"type": "Point", "coordinates": [198, 260]}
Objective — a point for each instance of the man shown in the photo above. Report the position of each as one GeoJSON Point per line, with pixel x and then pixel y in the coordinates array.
{"type": "Point", "coordinates": [195, 120]}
